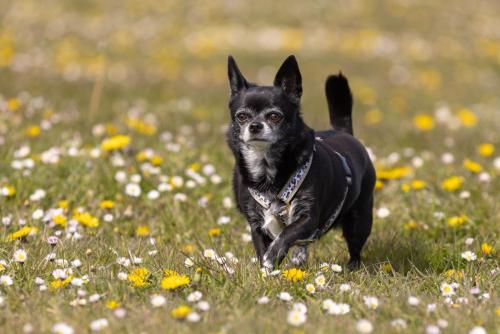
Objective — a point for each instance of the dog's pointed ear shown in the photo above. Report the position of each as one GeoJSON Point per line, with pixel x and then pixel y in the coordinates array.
{"type": "Point", "coordinates": [289, 78]}
{"type": "Point", "coordinates": [237, 81]}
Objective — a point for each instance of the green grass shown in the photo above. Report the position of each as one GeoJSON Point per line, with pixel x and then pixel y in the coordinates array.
{"type": "Point", "coordinates": [80, 65]}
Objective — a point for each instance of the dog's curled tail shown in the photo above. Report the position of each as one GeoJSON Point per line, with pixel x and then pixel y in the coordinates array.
{"type": "Point", "coordinates": [339, 100]}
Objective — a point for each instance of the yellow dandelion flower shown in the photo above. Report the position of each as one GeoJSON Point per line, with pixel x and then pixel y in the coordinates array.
{"type": "Point", "coordinates": [379, 185]}
{"type": "Point", "coordinates": [142, 231]}
{"type": "Point", "coordinates": [180, 312]}
{"type": "Point", "coordinates": [138, 277]}
{"type": "Point", "coordinates": [214, 232]}
{"type": "Point", "coordinates": [188, 248]}
{"type": "Point", "coordinates": [174, 281]}
{"type": "Point", "coordinates": [423, 122]}
{"type": "Point", "coordinates": [472, 166]}
{"type": "Point", "coordinates": [8, 191]}
{"type": "Point", "coordinates": [142, 156]}
{"type": "Point", "coordinates": [86, 219]}
{"type": "Point", "coordinates": [486, 149]}
{"type": "Point", "coordinates": [13, 104]}
{"type": "Point", "coordinates": [195, 167]}
{"type": "Point", "coordinates": [63, 204]}
{"type": "Point", "coordinates": [486, 248]}
{"type": "Point", "coordinates": [58, 283]}
{"type": "Point", "coordinates": [294, 275]}
{"type": "Point", "coordinates": [393, 173]}
{"type": "Point", "coordinates": [112, 304]}
{"type": "Point", "coordinates": [199, 270]}
{"type": "Point", "coordinates": [467, 117]}
{"type": "Point", "coordinates": [111, 129]}
{"type": "Point", "coordinates": [33, 131]}
{"type": "Point", "coordinates": [417, 184]}
{"type": "Point", "coordinates": [405, 187]}
{"type": "Point", "coordinates": [453, 274]}
{"type": "Point", "coordinates": [107, 204]}
{"type": "Point", "coordinates": [170, 272]}
{"type": "Point", "coordinates": [373, 116]}
{"type": "Point", "coordinates": [457, 220]}
{"type": "Point", "coordinates": [141, 126]}
{"type": "Point", "coordinates": [386, 268]}
{"type": "Point", "coordinates": [452, 183]}
{"type": "Point", "coordinates": [21, 233]}
{"type": "Point", "coordinates": [156, 160]}
{"type": "Point", "coordinates": [497, 311]}
{"type": "Point", "coordinates": [60, 220]}
{"type": "Point", "coordinates": [292, 39]}
{"type": "Point", "coordinates": [115, 143]}
{"type": "Point", "coordinates": [411, 225]}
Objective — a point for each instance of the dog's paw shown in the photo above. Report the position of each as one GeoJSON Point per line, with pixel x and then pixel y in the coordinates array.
{"type": "Point", "coordinates": [299, 256]}
{"type": "Point", "coordinates": [268, 265]}
{"type": "Point", "coordinates": [354, 264]}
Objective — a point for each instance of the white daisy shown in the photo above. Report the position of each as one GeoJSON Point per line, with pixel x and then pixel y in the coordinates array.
{"type": "Point", "coordinates": [301, 307]}
{"type": "Point", "coordinates": [364, 326]}
{"type": "Point", "coordinates": [399, 324]}
{"type": "Point", "coordinates": [469, 256]}
{"type": "Point", "coordinates": [447, 290]}
{"type": "Point", "coordinates": [477, 330]}
{"type": "Point", "coordinates": [203, 306]}
{"type": "Point", "coordinates": [432, 329]}
{"type": "Point", "coordinates": [296, 318]}
{"type": "Point", "coordinates": [310, 288]}
{"type": "Point", "coordinates": [133, 189]}
{"type": "Point", "coordinates": [371, 302]}
{"type": "Point", "coordinates": [285, 296]}
{"type": "Point", "coordinates": [263, 300]}
{"type": "Point", "coordinates": [193, 317]}
{"type": "Point", "coordinates": [158, 300]}
{"type": "Point", "coordinates": [188, 263]}
{"type": "Point", "coordinates": [336, 268]}
{"type": "Point", "coordinates": [413, 301]}
{"type": "Point", "coordinates": [20, 255]}
{"type": "Point", "coordinates": [122, 276]}
{"type": "Point", "coordinates": [344, 287]}
{"type": "Point", "coordinates": [383, 212]}
{"type": "Point", "coordinates": [6, 280]}
{"type": "Point", "coordinates": [320, 281]}
{"type": "Point", "coordinates": [194, 296]}
{"type": "Point", "coordinates": [99, 324]}
{"type": "Point", "coordinates": [62, 328]}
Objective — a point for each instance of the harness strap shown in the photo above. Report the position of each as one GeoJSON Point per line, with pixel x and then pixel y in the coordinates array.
{"type": "Point", "coordinates": [277, 206]}
{"type": "Point", "coordinates": [273, 224]}
{"type": "Point", "coordinates": [331, 220]}
{"type": "Point", "coordinates": [290, 188]}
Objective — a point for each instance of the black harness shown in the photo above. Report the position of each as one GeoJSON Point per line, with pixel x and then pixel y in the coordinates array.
{"type": "Point", "coordinates": [279, 204]}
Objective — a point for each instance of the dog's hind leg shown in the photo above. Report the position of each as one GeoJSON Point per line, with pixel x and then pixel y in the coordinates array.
{"type": "Point", "coordinates": [299, 256]}
{"type": "Point", "coordinates": [356, 229]}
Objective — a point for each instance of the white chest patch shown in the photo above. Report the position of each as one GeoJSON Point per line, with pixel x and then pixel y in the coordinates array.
{"type": "Point", "coordinates": [255, 159]}
{"type": "Point", "coordinates": [272, 224]}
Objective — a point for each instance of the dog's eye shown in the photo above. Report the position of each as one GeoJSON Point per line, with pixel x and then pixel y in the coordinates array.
{"type": "Point", "coordinates": [274, 117]}
{"type": "Point", "coordinates": [242, 117]}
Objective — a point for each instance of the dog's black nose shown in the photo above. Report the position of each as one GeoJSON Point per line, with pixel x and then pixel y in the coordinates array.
{"type": "Point", "coordinates": [255, 127]}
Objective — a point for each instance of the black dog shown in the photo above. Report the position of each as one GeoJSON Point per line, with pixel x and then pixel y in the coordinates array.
{"type": "Point", "coordinates": [293, 184]}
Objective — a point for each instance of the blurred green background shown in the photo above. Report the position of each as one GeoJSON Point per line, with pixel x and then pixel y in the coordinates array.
{"type": "Point", "coordinates": [402, 57]}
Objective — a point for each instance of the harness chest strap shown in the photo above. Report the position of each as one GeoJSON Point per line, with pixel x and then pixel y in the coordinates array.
{"type": "Point", "coordinates": [275, 221]}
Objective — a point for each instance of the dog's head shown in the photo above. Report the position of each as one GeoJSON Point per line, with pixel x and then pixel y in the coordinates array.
{"type": "Point", "coordinates": [265, 115]}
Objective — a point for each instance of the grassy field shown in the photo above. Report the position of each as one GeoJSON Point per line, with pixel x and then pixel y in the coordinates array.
{"type": "Point", "coordinates": [115, 179]}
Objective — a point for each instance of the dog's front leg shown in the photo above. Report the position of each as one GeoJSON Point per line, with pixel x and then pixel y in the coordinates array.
{"type": "Point", "coordinates": [260, 242]}
{"type": "Point", "coordinates": [298, 230]}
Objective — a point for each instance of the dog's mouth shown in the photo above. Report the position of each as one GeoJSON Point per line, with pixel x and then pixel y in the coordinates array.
{"type": "Point", "coordinates": [257, 140]}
